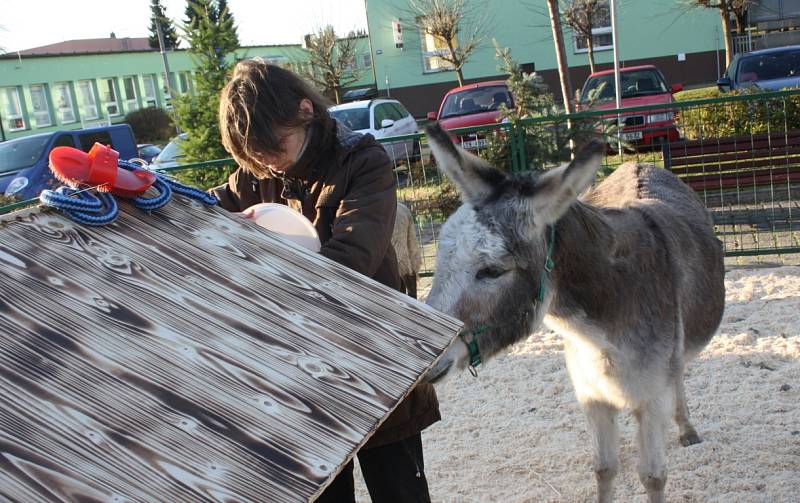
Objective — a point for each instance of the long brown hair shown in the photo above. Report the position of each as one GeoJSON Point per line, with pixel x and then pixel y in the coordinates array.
{"type": "Point", "coordinates": [259, 102]}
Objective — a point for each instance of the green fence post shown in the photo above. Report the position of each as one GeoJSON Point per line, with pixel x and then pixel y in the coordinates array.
{"type": "Point", "coordinates": [522, 161]}
{"type": "Point", "coordinates": [512, 132]}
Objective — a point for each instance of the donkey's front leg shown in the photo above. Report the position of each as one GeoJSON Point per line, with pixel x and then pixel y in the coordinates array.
{"type": "Point", "coordinates": [605, 431]}
{"type": "Point", "coordinates": [653, 417]}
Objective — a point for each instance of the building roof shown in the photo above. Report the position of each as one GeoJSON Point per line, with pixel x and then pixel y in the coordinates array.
{"type": "Point", "coordinates": [92, 46]}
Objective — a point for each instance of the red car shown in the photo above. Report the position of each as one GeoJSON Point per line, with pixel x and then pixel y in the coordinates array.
{"type": "Point", "coordinates": [641, 86]}
{"type": "Point", "coordinates": [472, 105]}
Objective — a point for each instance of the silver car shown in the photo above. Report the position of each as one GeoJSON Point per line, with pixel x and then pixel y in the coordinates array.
{"type": "Point", "coordinates": [171, 155]}
{"type": "Point", "coordinates": [382, 118]}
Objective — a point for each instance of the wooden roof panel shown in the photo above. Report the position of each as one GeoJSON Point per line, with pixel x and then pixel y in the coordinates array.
{"type": "Point", "coordinates": [187, 354]}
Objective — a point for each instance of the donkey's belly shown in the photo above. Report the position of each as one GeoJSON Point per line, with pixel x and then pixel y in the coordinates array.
{"type": "Point", "coordinates": [602, 372]}
{"type": "Point", "coordinates": [595, 376]}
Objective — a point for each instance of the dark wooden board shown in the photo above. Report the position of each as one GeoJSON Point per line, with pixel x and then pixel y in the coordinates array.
{"type": "Point", "coordinates": [188, 355]}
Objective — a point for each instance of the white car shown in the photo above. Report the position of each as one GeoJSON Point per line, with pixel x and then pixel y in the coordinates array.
{"type": "Point", "coordinates": [382, 118]}
{"type": "Point", "coordinates": [171, 155]}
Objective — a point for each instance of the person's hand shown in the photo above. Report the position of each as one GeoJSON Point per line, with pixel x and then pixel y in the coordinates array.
{"type": "Point", "coordinates": [249, 213]}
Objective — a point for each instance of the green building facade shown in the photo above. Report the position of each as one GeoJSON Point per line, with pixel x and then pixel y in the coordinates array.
{"type": "Point", "coordinates": [48, 92]}
{"type": "Point", "coordinates": [685, 44]}
{"type": "Point", "coordinates": [45, 92]}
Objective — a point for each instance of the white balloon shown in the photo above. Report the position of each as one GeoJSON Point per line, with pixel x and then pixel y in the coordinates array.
{"type": "Point", "coordinates": [287, 222]}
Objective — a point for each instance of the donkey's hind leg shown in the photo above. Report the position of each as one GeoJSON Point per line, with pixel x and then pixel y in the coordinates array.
{"type": "Point", "coordinates": [687, 434]}
{"type": "Point", "coordinates": [605, 432]}
{"type": "Point", "coordinates": [653, 418]}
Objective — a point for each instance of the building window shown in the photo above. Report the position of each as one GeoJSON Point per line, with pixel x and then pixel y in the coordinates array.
{"type": "Point", "coordinates": [183, 82]}
{"type": "Point", "coordinates": [131, 96]}
{"type": "Point", "coordinates": [40, 106]}
{"type": "Point", "coordinates": [433, 48]}
{"type": "Point", "coordinates": [602, 39]}
{"type": "Point", "coordinates": [366, 60]}
{"type": "Point", "coordinates": [168, 89]}
{"type": "Point", "coordinates": [149, 82]}
{"type": "Point", "coordinates": [87, 100]}
{"type": "Point", "coordinates": [278, 60]}
{"type": "Point", "coordinates": [12, 109]}
{"type": "Point", "coordinates": [108, 91]}
{"type": "Point", "coordinates": [63, 100]}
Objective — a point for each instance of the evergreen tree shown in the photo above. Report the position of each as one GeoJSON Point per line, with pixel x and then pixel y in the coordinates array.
{"type": "Point", "coordinates": [167, 28]}
{"type": "Point", "coordinates": [193, 10]}
{"type": "Point", "coordinates": [545, 143]}
{"type": "Point", "coordinates": [225, 20]}
{"type": "Point", "coordinates": [209, 44]}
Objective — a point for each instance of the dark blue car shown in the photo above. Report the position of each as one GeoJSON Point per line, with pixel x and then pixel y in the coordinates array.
{"type": "Point", "coordinates": [24, 170]}
{"type": "Point", "coordinates": [769, 69]}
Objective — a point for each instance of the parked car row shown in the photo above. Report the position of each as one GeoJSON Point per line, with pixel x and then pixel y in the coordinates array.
{"type": "Point", "coordinates": [23, 161]}
{"type": "Point", "coordinates": [478, 104]}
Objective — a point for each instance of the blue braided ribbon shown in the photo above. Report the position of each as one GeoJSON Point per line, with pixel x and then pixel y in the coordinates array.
{"type": "Point", "coordinates": [88, 208]}
{"type": "Point", "coordinates": [191, 192]}
{"type": "Point", "coordinates": [84, 207]}
{"type": "Point", "coordinates": [154, 203]}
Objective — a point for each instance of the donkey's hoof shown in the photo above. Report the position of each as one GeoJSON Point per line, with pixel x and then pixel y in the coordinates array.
{"type": "Point", "coordinates": [690, 439]}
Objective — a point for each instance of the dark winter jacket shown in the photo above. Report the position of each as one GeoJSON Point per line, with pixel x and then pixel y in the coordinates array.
{"type": "Point", "coordinates": [343, 183]}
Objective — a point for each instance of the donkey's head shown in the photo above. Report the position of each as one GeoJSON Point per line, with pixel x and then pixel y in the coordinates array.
{"type": "Point", "coordinates": [494, 250]}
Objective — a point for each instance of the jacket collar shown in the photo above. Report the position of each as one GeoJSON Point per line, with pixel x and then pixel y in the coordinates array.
{"type": "Point", "coordinates": [320, 146]}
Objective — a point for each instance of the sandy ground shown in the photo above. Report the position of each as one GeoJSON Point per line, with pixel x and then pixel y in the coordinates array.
{"type": "Point", "coordinates": [516, 433]}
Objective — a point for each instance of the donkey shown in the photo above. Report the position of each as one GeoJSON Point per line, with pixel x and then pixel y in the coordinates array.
{"type": "Point", "coordinates": [630, 274]}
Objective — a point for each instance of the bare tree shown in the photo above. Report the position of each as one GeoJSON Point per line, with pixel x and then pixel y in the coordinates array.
{"type": "Point", "coordinates": [736, 9]}
{"type": "Point", "coordinates": [582, 16]}
{"type": "Point", "coordinates": [332, 61]}
{"type": "Point", "coordinates": [561, 56]}
{"type": "Point", "coordinates": [445, 20]}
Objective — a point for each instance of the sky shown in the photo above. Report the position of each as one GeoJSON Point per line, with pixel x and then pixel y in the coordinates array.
{"type": "Point", "coordinates": [25, 24]}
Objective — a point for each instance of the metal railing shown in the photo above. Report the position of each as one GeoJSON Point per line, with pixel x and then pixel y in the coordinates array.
{"type": "Point", "coordinates": [741, 154]}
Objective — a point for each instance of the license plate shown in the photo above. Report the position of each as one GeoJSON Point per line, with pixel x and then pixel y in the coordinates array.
{"type": "Point", "coordinates": [480, 143]}
{"type": "Point", "coordinates": [636, 135]}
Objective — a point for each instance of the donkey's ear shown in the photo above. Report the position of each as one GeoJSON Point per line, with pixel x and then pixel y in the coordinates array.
{"type": "Point", "coordinates": [558, 188]}
{"type": "Point", "coordinates": [473, 177]}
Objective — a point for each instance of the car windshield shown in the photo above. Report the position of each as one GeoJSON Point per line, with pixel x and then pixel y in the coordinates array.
{"type": "Point", "coordinates": [776, 65]}
{"type": "Point", "coordinates": [633, 84]}
{"type": "Point", "coordinates": [171, 152]}
{"type": "Point", "coordinates": [476, 100]}
{"type": "Point", "coordinates": [354, 118]}
{"type": "Point", "coordinates": [21, 153]}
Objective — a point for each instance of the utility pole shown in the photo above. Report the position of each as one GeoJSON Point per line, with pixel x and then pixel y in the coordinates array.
{"type": "Point", "coordinates": [167, 75]}
{"type": "Point", "coordinates": [618, 94]}
{"type": "Point", "coordinates": [371, 50]}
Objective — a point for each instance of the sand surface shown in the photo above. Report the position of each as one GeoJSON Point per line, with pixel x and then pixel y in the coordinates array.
{"type": "Point", "coordinates": [516, 433]}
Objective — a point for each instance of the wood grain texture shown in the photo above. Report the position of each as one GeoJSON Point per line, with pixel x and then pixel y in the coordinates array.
{"type": "Point", "coordinates": [188, 355]}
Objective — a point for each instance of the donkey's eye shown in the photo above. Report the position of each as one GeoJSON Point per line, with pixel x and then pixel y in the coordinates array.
{"type": "Point", "coordinates": [490, 272]}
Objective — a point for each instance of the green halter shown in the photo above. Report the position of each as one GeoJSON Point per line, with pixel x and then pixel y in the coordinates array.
{"type": "Point", "coordinates": [470, 337]}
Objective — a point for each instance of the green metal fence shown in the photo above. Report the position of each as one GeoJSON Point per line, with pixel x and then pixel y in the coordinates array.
{"type": "Point", "coordinates": [740, 153]}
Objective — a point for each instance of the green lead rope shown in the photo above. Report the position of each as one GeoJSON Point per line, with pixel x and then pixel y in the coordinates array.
{"type": "Point", "coordinates": [470, 337]}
